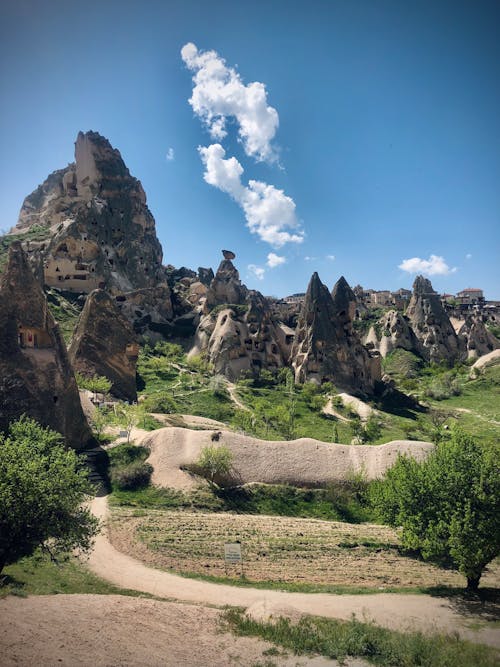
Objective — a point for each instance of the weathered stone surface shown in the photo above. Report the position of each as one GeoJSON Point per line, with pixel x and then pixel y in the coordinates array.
{"type": "Point", "coordinates": [228, 254]}
{"type": "Point", "coordinates": [100, 232]}
{"type": "Point", "coordinates": [226, 287]}
{"type": "Point", "coordinates": [478, 340]}
{"type": "Point", "coordinates": [432, 325]}
{"type": "Point", "coordinates": [147, 309]}
{"type": "Point", "coordinates": [243, 338]}
{"type": "Point", "coordinates": [393, 331]}
{"type": "Point", "coordinates": [104, 343]}
{"type": "Point", "coordinates": [326, 348]}
{"type": "Point", "coordinates": [36, 377]}
{"type": "Point", "coordinates": [205, 276]}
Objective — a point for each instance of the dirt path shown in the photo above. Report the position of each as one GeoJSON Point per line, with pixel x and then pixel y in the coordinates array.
{"type": "Point", "coordinates": [330, 410]}
{"type": "Point", "coordinates": [231, 388]}
{"type": "Point", "coordinates": [106, 630]}
{"type": "Point", "coordinates": [396, 611]}
{"type": "Point", "coordinates": [363, 409]}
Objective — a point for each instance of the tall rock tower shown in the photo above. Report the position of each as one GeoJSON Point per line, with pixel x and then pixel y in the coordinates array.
{"type": "Point", "coordinates": [36, 377]}
{"type": "Point", "coordinates": [99, 230]}
{"type": "Point", "coordinates": [432, 325]}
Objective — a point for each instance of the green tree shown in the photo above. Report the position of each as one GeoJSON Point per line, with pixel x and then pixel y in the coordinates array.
{"type": "Point", "coordinates": [215, 464]}
{"type": "Point", "coordinates": [129, 416]}
{"type": "Point", "coordinates": [448, 505]}
{"type": "Point", "coordinates": [42, 491]}
{"type": "Point", "coordinates": [96, 383]}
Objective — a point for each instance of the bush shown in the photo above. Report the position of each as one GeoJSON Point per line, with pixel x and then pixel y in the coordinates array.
{"type": "Point", "coordinates": [161, 402]}
{"type": "Point", "coordinates": [136, 475]}
{"type": "Point", "coordinates": [215, 464]}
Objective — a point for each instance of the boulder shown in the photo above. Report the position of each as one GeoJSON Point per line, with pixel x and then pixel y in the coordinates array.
{"type": "Point", "coordinates": [36, 377]}
{"type": "Point", "coordinates": [105, 344]}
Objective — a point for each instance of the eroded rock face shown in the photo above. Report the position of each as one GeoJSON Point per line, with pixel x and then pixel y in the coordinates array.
{"type": "Point", "coordinates": [432, 325]}
{"type": "Point", "coordinates": [326, 348]}
{"type": "Point", "coordinates": [478, 340]}
{"type": "Point", "coordinates": [148, 310]}
{"type": "Point", "coordinates": [226, 287]}
{"type": "Point", "coordinates": [36, 377]}
{"type": "Point", "coordinates": [100, 232]}
{"type": "Point", "coordinates": [104, 343]}
{"type": "Point", "coordinates": [391, 332]}
{"type": "Point", "coordinates": [243, 338]}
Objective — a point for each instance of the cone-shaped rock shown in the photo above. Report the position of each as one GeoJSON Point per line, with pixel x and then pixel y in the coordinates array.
{"type": "Point", "coordinates": [36, 377]}
{"type": "Point", "coordinates": [326, 347]}
{"type": "Point", "coordinates": [105, 344]}
{"type": "Point", "coordinates": [226, 287]}
{"type": "Point", "coordinates": [432, 325]}
{"type": "Point", "coordinates": [345, 301]}
{"type": "Point", "coordinates": [99, 231]}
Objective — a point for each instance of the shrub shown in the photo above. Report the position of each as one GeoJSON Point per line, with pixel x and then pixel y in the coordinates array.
{"type": "Point", "coordinates": [136, 475]}
{"type": "Point", "coordinates": [215, 464]}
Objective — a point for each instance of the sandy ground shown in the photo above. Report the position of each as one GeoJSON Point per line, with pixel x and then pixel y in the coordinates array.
{"type": "Point", "coordinates": [330, 410]}
{"type": "Point", "coordinates": [363, 409]}
{"type": "Point", "coordinates": [106, 630]}
{"type": "Point", "coordinates": [415, 612]}
{"type": "Point", "coordinates": [489, 359]}
{"type": "Point", "coordinates": [301, 462]}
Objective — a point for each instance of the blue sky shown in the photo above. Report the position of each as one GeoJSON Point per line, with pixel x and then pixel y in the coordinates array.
{"type": "Point", "coordinates": [388, 142]}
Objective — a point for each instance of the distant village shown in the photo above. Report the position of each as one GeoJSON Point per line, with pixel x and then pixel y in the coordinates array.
{"type": "Point", "coordinates": [471, 298]}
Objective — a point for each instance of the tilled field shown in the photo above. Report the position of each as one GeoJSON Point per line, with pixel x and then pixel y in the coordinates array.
{"type": "Point", "coordinates": [277, 549]}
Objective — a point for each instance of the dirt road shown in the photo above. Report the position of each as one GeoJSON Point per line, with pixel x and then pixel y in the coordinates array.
{"type": "Point", "coordinates": [396, 611]}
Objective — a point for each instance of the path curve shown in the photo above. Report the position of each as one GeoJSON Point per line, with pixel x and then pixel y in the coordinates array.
{"type": "Point", "coordinates": [403, 612]}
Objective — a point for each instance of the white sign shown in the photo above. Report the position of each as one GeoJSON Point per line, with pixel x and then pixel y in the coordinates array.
{"type": "Point", "coordinates": [232, 552]}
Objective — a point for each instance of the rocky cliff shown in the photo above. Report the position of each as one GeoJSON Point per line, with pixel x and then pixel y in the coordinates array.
{"type": "Point", "coordinates": [226, 286]}
{"type": "Point", "coordinates": [326, 348]}
{"type": "Point", "coordinates": [36, 377]}
{"type": "Point", "coordinates": [99, 230]}
{"type": "Point", "coordinates": [432, 325]}
{"type": "Point", "coordinates": [105, 344]}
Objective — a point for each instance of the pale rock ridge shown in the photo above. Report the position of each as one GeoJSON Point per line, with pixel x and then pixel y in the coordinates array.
{"type": "Point", "coordinates": [326, 347]}
{"type": "Point", "coordinates": [478, 339]}
{"type": "Point", "coordinates": [432, 325]}
{"type": "Point", "coordinates": [36, 377]}
{"type": "Point", "coordinates": [105, 344]}
{"type": "Point", "coordinates": [100, 232]}
{"type": "Point", "coordinates": [392, 332]}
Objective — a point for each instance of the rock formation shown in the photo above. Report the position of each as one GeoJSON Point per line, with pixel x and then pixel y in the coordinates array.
{"type": "Point", "coordinates": [148, 310]}
{"type": "Point", "coordinates": [478, 340]}
{"type": "Point", "coordinates": [226, 287]}
{"type": "Point", "coordinates": [392, 331]}
{"type": "Point", "coordinates": [104, 343]}
{"type": "Point", "coordinates": [100, 232]}
{"type": "Point", "coordinates": [36, 377]}
{"type": "Point", "coordinates": [326, 348]}
{"type": "Point", "coordinates": [432, 325]}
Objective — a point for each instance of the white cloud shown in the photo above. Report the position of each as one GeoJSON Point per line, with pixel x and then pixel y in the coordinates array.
{"type": "Point", "coordinates": [268, 211]}
{"type": "Point", "coordinates": [331, 258]}
{"type": "Point", "coordinates": [274, 260]}
{"type": "Point", "coordinates": [468, 256]}
{"type": "Point", "coordinates": [434, 266]}
{"type": "Point", "coordinates": [307, 258]}
{"type": "Point", "coordinates": [170, 154]}
{"type": "Point", "coordinates": [219, 94]}
{"type": "Point", "coordinates": [257, 271]}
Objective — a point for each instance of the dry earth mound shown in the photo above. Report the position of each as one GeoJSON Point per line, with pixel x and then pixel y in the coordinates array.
{"type": "Point", "coordinates": [302, 462]}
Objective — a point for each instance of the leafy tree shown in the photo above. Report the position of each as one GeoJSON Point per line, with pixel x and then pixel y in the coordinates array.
{"type": "Point", "coordinates": [217, 385]}
{"type": "Point", "coordinates": [129, 416]}
{"type": "Point", "coordinates": [100, 419]}
{"type": "Point", "coordinates": [448, 505]}
{"type": "Point", "coordinates": [96, 383]}
{"type": "Point", "coordinates": [42, 491]}
{"type": "Point", "coordinates": [215, 464]}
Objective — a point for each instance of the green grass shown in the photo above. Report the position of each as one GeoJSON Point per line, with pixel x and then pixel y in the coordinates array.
{"type": "Point", "coordinates": [38, 575]}
{"type": "Point", "coordinates": [380, 646]}
{"type": "Point", "coordinates": [339, 502]}
{"type": "Point", "coordinates": [66, 312]}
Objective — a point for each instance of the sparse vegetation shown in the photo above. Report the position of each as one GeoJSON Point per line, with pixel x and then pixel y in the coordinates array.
{"type": "Point", "coordinates": [341, 639]}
